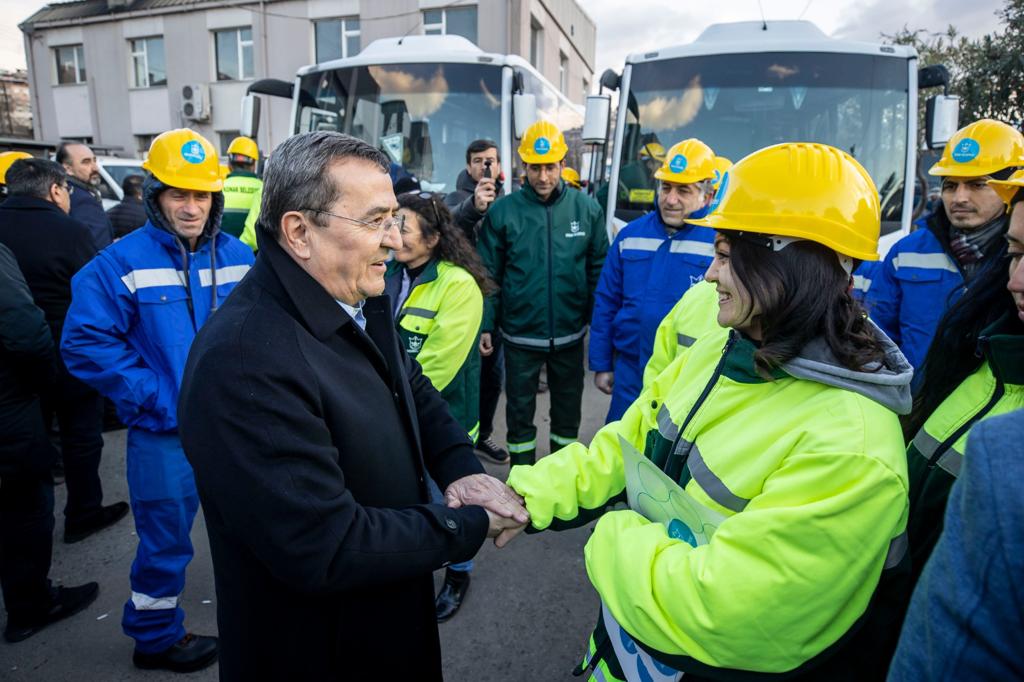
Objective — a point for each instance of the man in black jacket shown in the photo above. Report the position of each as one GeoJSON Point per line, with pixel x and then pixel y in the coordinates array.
{"type": "Point", "coordinates": [26, 496]}
{"type": "Point", "coordinates": [311, 433]}
{"type": "Point", "coordinates": [50, 248]}
{"type": "Point", "coordinates": [475, 190]}
{"type": "Point", "coordinates": [84, 175]}
{"type": "Point", "coordinates": [130, 214]}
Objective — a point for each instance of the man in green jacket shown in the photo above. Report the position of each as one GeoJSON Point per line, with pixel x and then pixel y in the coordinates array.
{"type": "Point", "coordinates": [544, 246]}
{"type": "Point", "coordinates": [242, 188]}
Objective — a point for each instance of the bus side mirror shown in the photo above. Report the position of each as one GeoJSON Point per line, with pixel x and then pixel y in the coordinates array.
{"type": "Point", "coordinates": [250, 123]}
{"type": "Point", "coordinates": [595, 119]}
{"type": "Point", "coordinates": [524, 112]}
{"type": "Point", "coordinates": [941, 118]}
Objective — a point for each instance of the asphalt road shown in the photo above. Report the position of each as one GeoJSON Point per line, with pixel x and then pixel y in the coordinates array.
{"type": "Point", "coordinates": [527, 615]}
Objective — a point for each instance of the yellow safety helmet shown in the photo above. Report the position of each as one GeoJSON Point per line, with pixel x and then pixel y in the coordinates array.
{"type": "Point", "coordinates": [184, 159]}
{"type": "Point", "coordinates": [571, 176]}
{"type": "Point", "coordinates": [1009, 187]}
{"type": "Point", "coordinates": [542, 143]}
{"type": "Point", "coordinates": [801, 190]}
{"type": "Point", "coordinates": [722, 166]}
{"type": "Point", "coordinates": [981, 148]}
{"type": "Point", "coordinates": [224, 171]}
{"type": "Point", "coordinates": [687, 162]}
{"type": "Point", "coordinates": [244, 146]}
{"type": "Point", "coordinates": [653, 150]}
{"type": "Point", "coordinates": [7, 159]}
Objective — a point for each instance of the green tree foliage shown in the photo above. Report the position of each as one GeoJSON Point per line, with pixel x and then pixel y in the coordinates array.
{"type": "Point", "coordinates": [987, 73]}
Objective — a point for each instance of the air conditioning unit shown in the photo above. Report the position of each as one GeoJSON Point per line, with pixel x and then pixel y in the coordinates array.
{"type": "Point", "coordinates": [195, 102]}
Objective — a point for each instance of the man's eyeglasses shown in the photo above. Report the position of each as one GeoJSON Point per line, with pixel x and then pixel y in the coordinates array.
{"type": "Point", "coordinates": [381, 226]}
{"type": "Point", "coordinates": [68, 187]}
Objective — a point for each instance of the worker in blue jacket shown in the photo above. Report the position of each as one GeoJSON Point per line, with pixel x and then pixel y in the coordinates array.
{"type": "Point", "coordinates": [135, 310]}
{"type": "Point", "coordinates": [925, 272]}
{"type": "Point", "coordinates": [649, 267]}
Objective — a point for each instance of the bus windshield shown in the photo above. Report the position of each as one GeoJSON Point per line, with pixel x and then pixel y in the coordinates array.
{"type": "Point", "coordinates": [738, 103]}
{"type": "Point", "coordinates": [423, 116]}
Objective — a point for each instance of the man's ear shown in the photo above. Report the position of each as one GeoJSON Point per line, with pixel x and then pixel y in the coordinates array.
{"type": "Point", "coordinates": [295, 234]}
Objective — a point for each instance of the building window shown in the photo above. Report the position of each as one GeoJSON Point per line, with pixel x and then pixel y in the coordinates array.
{"type": "Point", "coordinates": [70, 62]}
{"type": "Point", "coordinates": [336, 38]}
{"type": "Point", "coordinates": [586, 87]}
{"type": "Point", "coordinates": [225, 137]}
{"type": "Point", "coordinates": [563, 73]}
{"type": "Point", "coordinates": [454, 21]}
{"type": "Point", "coordinates": [536, 44]}
{"type": "Point", "coordinates": [142, 143]}
{"type": "Point", "coordinates": [148, 68]}
{"type": "Point", "coordinates": [234, 54]}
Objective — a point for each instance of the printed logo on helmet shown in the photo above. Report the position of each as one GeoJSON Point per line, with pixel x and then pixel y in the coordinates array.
{"type": "Point", "coordinates": [193, 152]}
{"type": "Point", "coordinates": [677, 164]}
{"type": "Point", "coordinates": [719, 193]}
{"type": "Point", "coordinates": [542, 145]}
{"type": "Point", "coordinates": [717, 178]}
{"type": "Point", "coordinates": [966, 150]}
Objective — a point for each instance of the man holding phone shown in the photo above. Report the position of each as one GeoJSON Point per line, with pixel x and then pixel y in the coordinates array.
{"type": "Point", "coordinates": [475, 190]}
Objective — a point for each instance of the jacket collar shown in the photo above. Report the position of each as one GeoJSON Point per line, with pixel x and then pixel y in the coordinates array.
{"type": "Point", "coordinates": [1002, 345]}
{"type": "Point", "coordinates": [24, 203]}
{"type": "Point", "coordinates": [242, 174]}
{"type": "Point", "coordinates": [465, 182]}
{"type": "Point", "coordinates": [81, 186]}
{"type": "Point", "coordinates": [532, 197]}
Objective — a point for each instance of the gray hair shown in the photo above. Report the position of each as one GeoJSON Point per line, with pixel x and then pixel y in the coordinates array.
{"type": "Point", "coordinates": [296, 176]}
{"type": "Point", "coordinates": [34, 178]}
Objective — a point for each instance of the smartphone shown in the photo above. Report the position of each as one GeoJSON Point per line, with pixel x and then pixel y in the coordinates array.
{"type": "Point", "coordinates": [487, 168]}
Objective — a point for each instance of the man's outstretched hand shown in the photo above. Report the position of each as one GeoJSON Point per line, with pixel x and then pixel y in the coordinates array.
{"type": "Point", "coordinates": [506, 510]}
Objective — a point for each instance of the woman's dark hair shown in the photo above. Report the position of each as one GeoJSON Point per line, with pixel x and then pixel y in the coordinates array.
{"type": "Point", "coordinates": [954, 354]}
{"type": "Point", "coordinates": [452, 245]}
{"type": "Point", "coordinates": [803, 293]}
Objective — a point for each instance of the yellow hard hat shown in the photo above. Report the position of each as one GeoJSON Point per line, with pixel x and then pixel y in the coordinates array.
{"type": "Point", "coordinates": [981, 148]}
{"type": "Point", "coordinates": [571, 176]}
{"type": "Point", "coordinates": [224, 171]}
{"type": "Point", "coordinates": [6, 160]}
{"type": "Point", "coordinates": [542, 143]}
{"type": "Point", "coordinates": [245, 147]}
{"type": "Point", "coordinates": [801, 190]}
{"type": "Point", "coordinates": [652, 150]}
{"type": "Point", "coordinates": [184, 159]}
{"type": "Point", "coordinates": [722, 166]}
{"type": "Point", "coordinates": [1009, 187]}
{"type": "Point", "coordinates": [687, 162]}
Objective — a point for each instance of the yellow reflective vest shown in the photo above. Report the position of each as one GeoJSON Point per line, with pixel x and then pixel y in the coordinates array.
{"type": "Point", "coordinates": [241, 189]}
{"type": "Point", "coordinates": [439, 325]}
{"type": "Point", "coordinates": [693, 316]}
{"type": "Point", "coordinates": [807, 469]}
{"type": "Point", "coordinates": [249, 231]}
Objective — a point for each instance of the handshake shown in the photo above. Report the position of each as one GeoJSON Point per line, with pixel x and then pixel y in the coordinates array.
{"type": "Point", "coordinates": [506, 510]}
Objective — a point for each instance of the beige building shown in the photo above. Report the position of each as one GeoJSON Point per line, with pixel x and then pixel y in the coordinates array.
{"type": "Point", "coordinates": [119, 72]}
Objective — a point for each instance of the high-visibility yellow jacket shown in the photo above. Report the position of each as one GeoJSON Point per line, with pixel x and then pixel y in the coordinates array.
{"type": "Point", "coordinates": [809, 470]}
{"type": "Point", "coordinates": [249, 231]}
{"type": "Point", "coordinates": [439, 325]}
{"type": "Point", "coordinates": [240, 190]}
{"type": "Point", "coordinates": [693, 316]}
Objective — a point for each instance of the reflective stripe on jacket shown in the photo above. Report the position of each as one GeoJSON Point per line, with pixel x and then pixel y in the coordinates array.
{"type": "Point", "coordinates": [439, 325]}
{"type": "Point", "coordinates": [694, 316]}
{"type": "Point", "coordinates": [241, 189]}
{"type": "Point", "coordinates": [546, 259]}
{"type": "Point", "coordinates": [135, 309]}
{"type": "Point", "coordinates": [811, 477]}
{"type": "Point", "coordinates": [645, 274]}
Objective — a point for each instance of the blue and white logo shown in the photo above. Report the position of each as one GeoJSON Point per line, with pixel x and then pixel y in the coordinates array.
{"type": "Point", "coordinates": [193, 152]}
{"type": "Point", "coordinates": [677, 164]}
{"type": "Point", "coordinates": [720, 193]}
{"type": "Point", "coordinates": [680, 531]}
{"type": "Point", "coordinates": [966, 150]}
{"type": "Point", "coordinates": [542, 145]}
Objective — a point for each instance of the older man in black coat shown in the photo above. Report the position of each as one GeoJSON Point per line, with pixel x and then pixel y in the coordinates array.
{"type": "Point", "coordinates": [311, 434]}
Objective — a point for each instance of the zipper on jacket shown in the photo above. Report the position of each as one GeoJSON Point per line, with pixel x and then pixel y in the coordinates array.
{"type": "Point", "coordinates": [997, 395]}
{"type": "Point", "coordinates": [677, 462]}
{"type": "Point", "coordinates": [551, 285]}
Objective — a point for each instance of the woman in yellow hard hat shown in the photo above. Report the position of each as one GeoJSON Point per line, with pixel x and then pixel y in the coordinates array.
{"type": "Point", "coordinates": [766, 476]}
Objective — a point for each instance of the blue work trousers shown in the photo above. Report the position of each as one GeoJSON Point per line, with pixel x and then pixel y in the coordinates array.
{"type": "Point", "coordinates": [629, 379]}
{"type": "Point", "coordinates": [164, 502]}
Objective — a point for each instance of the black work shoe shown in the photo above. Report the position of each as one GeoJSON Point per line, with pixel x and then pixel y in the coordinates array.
{"type": "Point", "coordinates": [489, 449]}
{"type": "Point", "coordinates": [449, 599]}
{"type": "Point", "coordinates": [67, 601]}
{"type": "Point", "coordinates": [190, 653]}
{"type": "Point", "coordinates": [75, 531]}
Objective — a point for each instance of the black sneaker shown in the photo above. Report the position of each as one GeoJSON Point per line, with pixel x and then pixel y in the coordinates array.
{"type": "Point", "coordinates": [67, 601]}
{"type": "Point", "coordinates": [190, 653]}
{"type": "Point", "coordinates": [78, 530]}
{"type": "Point", "coordinates": [489, 449]}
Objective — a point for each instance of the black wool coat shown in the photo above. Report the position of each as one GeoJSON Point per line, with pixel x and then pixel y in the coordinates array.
{"type": "Point", "coordinates": [310, 440]}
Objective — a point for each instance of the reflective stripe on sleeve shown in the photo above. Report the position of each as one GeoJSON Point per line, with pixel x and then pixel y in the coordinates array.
{"type": "Point", "coordinates": [666, 427]}
{"type": "Point", "coordinates": [640, 244]}
{"type": "Point", "coordinates": [684, 340]}
{"type": "Point", "coordinates": [897, 550]}
{"type": "Point", "coordinates": [693, 247]}
{"type": "Point", "coordinates": [419, 312]}
{"type": "Point", "coordinates": [153, 277]}
{"type": "Point", "coordinates": [712, 484]}
{"type": "Point", "coordinates": [925, 261]}
{"type": "Point", "coordinates": [225, 275]}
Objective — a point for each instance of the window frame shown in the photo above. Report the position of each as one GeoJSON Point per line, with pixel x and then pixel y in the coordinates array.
{"type": "Point", "coordinates": [441, 29]}
{"type": "Point", "coordinates": [132, 55]}
{"type": "Point", "coordinates": [78, 52]}
{"type": "Point", "coordinates": [345, 32]}
{"type": "Point", "coordinates": [240, 46]}
{"type": "Point", "coordinates": [536, 44]}
{"type": "Point", "coordinates": [563, 72]}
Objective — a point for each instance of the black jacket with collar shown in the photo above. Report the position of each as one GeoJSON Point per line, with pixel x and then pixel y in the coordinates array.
{"type": "Point", "coordinates": [310, 440]}
{"type": "Point", "coordinates": [460, 202]}
{"type": "Point", "coordinates": [87, 208]}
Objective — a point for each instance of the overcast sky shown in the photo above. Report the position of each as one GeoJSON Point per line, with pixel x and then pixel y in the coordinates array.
{"type": "Point", "coordinates": [648, 24]}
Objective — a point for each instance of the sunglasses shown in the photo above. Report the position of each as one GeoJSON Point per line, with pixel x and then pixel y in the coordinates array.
{"type": "Point", "coordinates": [432, 198]}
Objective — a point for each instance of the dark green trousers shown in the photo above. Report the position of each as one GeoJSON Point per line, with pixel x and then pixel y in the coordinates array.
{"type": "Point", "coordinates": [565, 386]}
